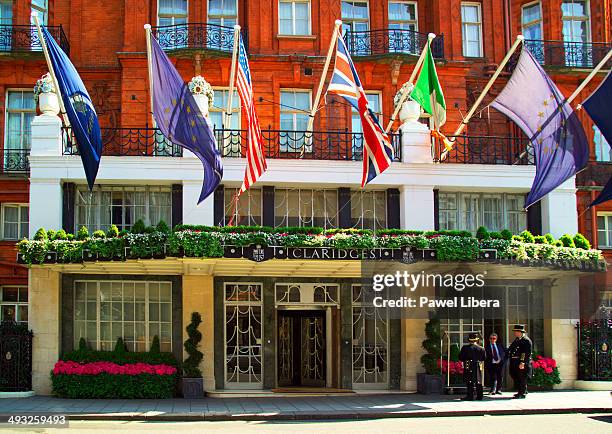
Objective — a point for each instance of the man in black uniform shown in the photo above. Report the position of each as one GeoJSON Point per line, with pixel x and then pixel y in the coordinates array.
{"type": "Point", "coordinates": [519, 354]}
{"type": "Point", "coordinates": [472, 355]}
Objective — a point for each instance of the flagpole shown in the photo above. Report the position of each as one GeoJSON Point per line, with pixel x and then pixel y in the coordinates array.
{"type": "Point", "coordinates": [147, 28]}
{"type": "Point", "coordinates": [409, 89]}
{"type": "Point", "coordinates": [315, 105]}
{"type": "Point", "coordinates": [230, 96]}
{"type": "Point", "coordinates": [590, 77]}
{"type": "Point", "coordinates": [43, 44]}
{"type": "Point", "coordinates": [519, 40]}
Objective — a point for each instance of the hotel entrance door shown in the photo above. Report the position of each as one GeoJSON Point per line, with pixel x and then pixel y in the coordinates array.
{"type": "Point", "coordinates": [301, 348]}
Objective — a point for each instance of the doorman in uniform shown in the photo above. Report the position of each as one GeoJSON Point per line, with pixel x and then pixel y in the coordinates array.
{"type": "Point", "coordinates": [519, 354]}
{"type": "Point", "coordinates": [472, 355]}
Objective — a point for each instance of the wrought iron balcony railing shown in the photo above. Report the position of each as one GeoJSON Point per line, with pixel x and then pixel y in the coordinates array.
{"type": "Point", "coordinates": [201, 36]}
{"type": "Point", "coordinates": [568, 54]}
{"type": "Point", "coordinates": [391, 41]}
{"type": "Point", "coordinates": [487, 150]}
{"type": "Point", "coordinates": [136, 142]}
{"type": "Point", "coordinates": [15, 161]}
{"type": "Point", "coordinates": [318, 145]}
{"type": "Point", "coordinates": [25, 38]}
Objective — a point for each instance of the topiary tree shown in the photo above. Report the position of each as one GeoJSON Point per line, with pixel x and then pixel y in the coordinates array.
{"type": "Point", "coordinates": [495, 235]}
{"type": "Point", "coordinates": [549, 237]}
{"type": "Point", "coordinates": [432, 346]}
{"type": "Point", "coordinates": [163, 227]}
{"type": "Point", "coordinates": [191, 365]}
{"type": "Point", "coordinates": [138, 227]}
{"type": "Point", "coordinates": [506, 234]}
{"type": "Point", "coordinates": [540, 239]}
{"type": "Point", "coordinates": [51, 234]}
{"type": "Point", "coordinates": [581, 242]}
{"type": "Point", "coordinates": [99, 234]}
{"type": "Point", "coordinates": [482, 233]}
{"type": "Point", "coordinates": [155, 347]}
{"type": "Point", "coordinates": [41, 235]}
{"type": "Point", "coordinates": [83, 345]}
{"type": "Point", "coordinates": [527, 237]}
{"type": "Point", "coordinates": [82, 234]}
{"type": "Point", "coordinates": [61, 235]}
{"type": "Point", "coordinates": [567, 240]}
{"type": "Point", "coordinates": [120, 347]}
{"type": "Point", "coordinates": [113, 231]}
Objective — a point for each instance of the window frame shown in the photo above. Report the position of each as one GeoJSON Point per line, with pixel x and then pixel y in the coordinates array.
{"type": "Point", "coordinates": [416, 13]}
{"type": "Point", "coordinates": [379, 114]}
{"type": "Point", "coordinates": [44, 10]}
{"type": "Point", "coordinates": [19, 207]}
{"type": "Point", "coordinates": [539, 22]}
{"type": "Point", "coordinates": [221, 17]}
{"type": "Point", "coordinates": [348, 22]}
{"type": "Point", "coordinates": [293, 18]}
{"type": "Point", "coordinates": [252, 220]}
{"type": "Point", "coordinates": [282, 210]}
{"type": "Point", "coordinates": [357, 221]}
{"type": "Point", "coordinates": [306, 145]}
{"type": "Point", "coordinates": [471, 23]}
{"type": "Point", "coordinates": [602, 147]}
{"type": "Point", "coordinates": [18, 303]}
{"type": "Point", "coordinates": [8, 111]}
{"type": "Point", "coordinates": [173, 15]}
{"type": "Point", "coordinates": [573, 18]}
{"type": "Point", "coordinates": [607, 216]}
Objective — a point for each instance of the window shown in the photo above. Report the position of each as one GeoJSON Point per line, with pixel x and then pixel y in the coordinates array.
{"type": "Point", "coordinates": [14, 304]}
{"type": "Point", "coordinates": [122, 206]}
{"type": "Point", "coordinates": [15, 221]}
{"type": "Point", "coordinates": [223, 12]}
{"type": "Point", "coordinates": [374, 103]}
{"type": "Point", "coordinates": [604, 231]}
{"type": "Point", "coordinates": [248, 211]}
{"type": "Point", "coordinates": [576, 25]}
{"type": "Point", "coordinates": [403, 24]}
{"type": "Point", "coordinates": [468, 211]}
{"type": "Point", "coordinates": [355, 16]}
{"type": "Point", "coordinates": [532, 21]}
{"type": "Point", "coordinates": [369, 209]}
{"type": "Point", "coordinates": [6, 12]}
{"type": "Point", "coordinates": [471, 29]}
{"type": "Point", "coordinates": [602, 147]}
{"type": "Point", "coordinates": [136, 311]}
{"type": "Point", "coordinates": [171, 12]}
{"type": "Point", "coordinates": [41, 7]}
{"type": "Point", "coordinates": [229, 142]}
{"type": "Point", "coordinates": [294, 17]}
{"type": "Point", "coordinates": [20, 111]}
{"type": "Point", "coordinates": [295, 108]}
{"type": "Point", "coordinates": [305, 207]}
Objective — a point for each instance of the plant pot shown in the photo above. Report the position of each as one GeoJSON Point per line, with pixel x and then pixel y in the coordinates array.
{"type": "Point", "coordinates": [89, 256]}
{"type": "Point", "coordinates": [50, 257]}
{"type": "Point", "coordinates": [192, 388]}
{"type": "Point", "coordinates": [428, 384]}
{"type": "Point", "coordinates": [49, 103]}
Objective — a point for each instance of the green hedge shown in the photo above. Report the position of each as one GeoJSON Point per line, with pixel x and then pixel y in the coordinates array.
{"type": "Point", "coordinates": [120, 358]}
{"type": "Point", "coordinates": [110, 386]}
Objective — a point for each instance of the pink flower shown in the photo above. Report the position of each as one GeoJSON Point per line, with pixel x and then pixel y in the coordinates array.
{"type": "Point", "coordinates": [96, 368]}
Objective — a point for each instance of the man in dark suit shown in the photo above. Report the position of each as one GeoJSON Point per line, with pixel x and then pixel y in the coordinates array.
{"type": "Point", "coordinates": [519, 354]}
{"type": "Point", "coordinates": [494, 363]}
{"type": "Point", "coordinates": [472, 355]}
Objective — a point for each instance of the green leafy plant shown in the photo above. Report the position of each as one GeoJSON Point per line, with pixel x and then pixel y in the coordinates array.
{"type": "Point", "coordinates": [567, 240]}
{"type": "Point", "coordinates": [155, 346]}
{"type": "Point", "coordinates": [41, 235]}
{"type": "Point", "coordinates": [432, 345]}
{"type": "Point", "coordinates": [100, 234]}
{"type": "Point", "coordinates": [527, 237]}
{"type": "Point", "coordinates": [581, 242]}
{"type": "Point", "coordinates": [60, 235]}
{"type": "Point", "coordinates": [163, 227]}
{"type": "Point", "coordinates": [191, 365]}
{"type": "Point", "coordinates": [540, 239]}
{"type": "Point", "coordinates": [113, 231]}
{"type": "Point", "coordinates": [550, 239]}
{"type": "Point", "coordinates": [506, 234]}
{"type": "Point", "coordinates": [482, 233]}
{"type": "Point", "coordinates": [138, 227]}
{"type": "Point", "coordinates": [82, 234]}
{"type": "Point", "coordinates": [495, 235]}
{"type": "Point", "coordinates": [120, 347]}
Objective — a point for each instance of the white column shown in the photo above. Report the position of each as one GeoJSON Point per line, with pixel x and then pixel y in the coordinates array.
{"type": "Point", "coordinates": [194, 214]}
{"type": "Point", "coordinates": [45, 204]}
{"type": "Point", "coordinates": [416, 138]}
{"type": "Point", "coordinates": [46, 136]}
{"type": "Point", "coordinates": [417, 207]}
{"type": "Point", "coordinates": [559, 211]}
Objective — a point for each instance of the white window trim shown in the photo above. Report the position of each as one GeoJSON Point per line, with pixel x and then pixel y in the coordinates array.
{"type": "Point", "coordinates": [357, 195]}
{"type": "Point", "coordinates": [416, 14]}
{"type": "Point", "coordinates": [235, 110]}
{"type": "Point", "coordinates": [7, 110]}
{"type": "Point", "coordinates": [479, 23]}
{"type": "Point", "coordinates": [232, 211]}
{"type": "Point", "coordinates": [45, 12]}
{"type": "Point", "coordinates": [600, 145]}
{"type": "Point", "coordinates": [607, 218]}
{"type": "Point", "coordinates": [282, 209]}
{"type": "Point", "coordinates": [539, 22]}
{"type": "Point", "coordinates": [587, 5]}
{"type": "Point", "coordinates": [15, 303]}
{"type": "Point", "coordinates": [173, 16]}
{"type": "Point", "coordinates": [293, 31]}
{"type": "Point", "coordinates": [358, 20]}
{"type": "Point", "coordinates": [221, 16]}
{"type": "Point", "coordinates": [292, 111]}
{"type": "Point", "coordinates": [19, 206]}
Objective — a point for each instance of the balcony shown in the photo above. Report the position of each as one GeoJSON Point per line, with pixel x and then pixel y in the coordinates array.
{"type": "Point", "coordinates": [568, 54]}
{"type": "Point", "coordinates": [24, 39]}
{"type": "Point", "coordinates": [391, 41]}
{"type": "Point", "coordinates": [503, 150]}
{"type": "Point", "coordinates": [150, 142]}
{"type": "Point", "coordinates": [15, 162]}
{"type": "Point", "coordinates": [197, 36]}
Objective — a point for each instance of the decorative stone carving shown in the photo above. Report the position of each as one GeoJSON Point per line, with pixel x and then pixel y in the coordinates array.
{"type": "Point", "coordinates": [203, 94]}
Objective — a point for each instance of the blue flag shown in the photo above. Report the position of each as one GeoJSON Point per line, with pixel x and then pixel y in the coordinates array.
{"type": "Point", "coordinates": [599, 108]}
{"type": "Point", "coordinates": [536, 105]}
{"type": "Point", "coordinates": [180, 120]}
{"type": "Point", "coordinates": [79, 108]}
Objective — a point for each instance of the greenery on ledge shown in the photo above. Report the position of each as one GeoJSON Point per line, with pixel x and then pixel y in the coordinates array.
{"type": "Point", "coordinates": [208, 242]}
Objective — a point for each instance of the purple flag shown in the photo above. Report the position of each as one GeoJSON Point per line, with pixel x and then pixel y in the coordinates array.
{"type": "Point", "coordinates": [537, 106]}
{"type": "Point", "coordinates": [180, 120]}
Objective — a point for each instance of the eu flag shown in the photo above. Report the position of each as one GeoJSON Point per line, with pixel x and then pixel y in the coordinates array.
{"type": "Point", "coordinates": [79, 108]}
{"type": "Point", "coordinates": [536, 105]}
{"type": "Point", "coordinates": [599, 109]}
{"type": "Point", "coordinates": [180, 120]}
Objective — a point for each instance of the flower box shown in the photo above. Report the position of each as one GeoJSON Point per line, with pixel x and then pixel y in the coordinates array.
{"type": "Point", "coordinates": [428, 384]}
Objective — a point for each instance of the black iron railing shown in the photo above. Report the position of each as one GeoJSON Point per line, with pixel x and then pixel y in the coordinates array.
{"type": "Point", "coordinates": [318, 145]}
{"type": "Point", "coordinates": [200, 36]}
{"type": "Point", "coordinates": [595, 349]}
{"type": "Point", "coordinates": [138, 142]}
{"type": "Point", "coordinates": [391, 41]}
{"type": "Point", "coordinates": [25, 38]}
{"type": "Point", "coordinates": [568, 54]}
{"type": "Point", "coordinates": [487, 150]}
{"type": "Point", "coordinates": [15, 357]}
{"type": "Point", "coordinates": [15, 161]}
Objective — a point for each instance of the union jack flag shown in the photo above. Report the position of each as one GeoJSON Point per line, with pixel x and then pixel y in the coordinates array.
{"type": "Point", "coordinates": [377, 149]}
{"type": "Point", "coordinates": [256, 161]}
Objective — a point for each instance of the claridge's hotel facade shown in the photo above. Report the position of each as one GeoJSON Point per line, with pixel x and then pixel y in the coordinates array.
{"type": "Point", "coordinates": [277, 313]}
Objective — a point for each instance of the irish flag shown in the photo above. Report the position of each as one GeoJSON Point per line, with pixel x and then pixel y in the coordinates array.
{"type": "Point", "coordinates": [428, 93]}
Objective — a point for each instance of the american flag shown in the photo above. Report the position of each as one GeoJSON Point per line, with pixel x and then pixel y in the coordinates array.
{"type": "Point", "coordinates": [377, 149]}
{"type": "Point", "coordinates": [256, 161]}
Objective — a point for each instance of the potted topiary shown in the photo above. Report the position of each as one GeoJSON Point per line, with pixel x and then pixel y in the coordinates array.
{"type": "Point", "coordinates": [192, 383]}
{"type": "Point", "coordinates": [430, 381]}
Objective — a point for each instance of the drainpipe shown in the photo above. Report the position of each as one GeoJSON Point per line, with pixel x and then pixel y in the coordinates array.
{"type": "Point", "coordinates": [507, 24]}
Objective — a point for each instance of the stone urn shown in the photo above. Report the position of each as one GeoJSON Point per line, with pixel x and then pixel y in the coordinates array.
{"type": "Point", "coordinates": [416, 139]}
{"type": "Point", "coordinates": [46, 96]}
{"type": "Point", "coordinates": [410, 112]}
{"type": "Point", "coordinates": [203, 94]}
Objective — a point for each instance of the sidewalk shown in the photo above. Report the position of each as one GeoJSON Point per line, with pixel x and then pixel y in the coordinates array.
{"type": "Point", "coordinates": [352, 406]}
